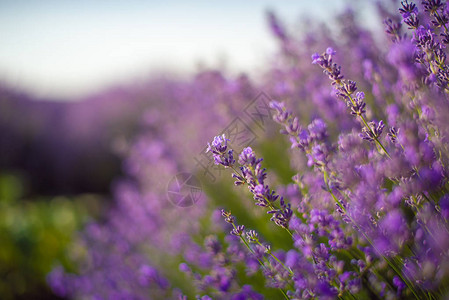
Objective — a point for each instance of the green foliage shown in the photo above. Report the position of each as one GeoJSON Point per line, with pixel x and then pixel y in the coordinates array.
{"type": "Point", "coordinates": [34, 235]}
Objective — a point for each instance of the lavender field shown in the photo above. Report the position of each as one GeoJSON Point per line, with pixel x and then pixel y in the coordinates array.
{"type": "Point", "coordinates": [324, 177]}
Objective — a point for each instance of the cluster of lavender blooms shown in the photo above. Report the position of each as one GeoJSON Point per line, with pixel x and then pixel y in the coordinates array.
{"type": "Point", "coordinates": [366, 214]}
{"type": "Point", "coordinates": [254, 175]}
{"type": "Point", "coordinates": [131, 253]}
{"type": "Point", "coordinates": [380, 229]}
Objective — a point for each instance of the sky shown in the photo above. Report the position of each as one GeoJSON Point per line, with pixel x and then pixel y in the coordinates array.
{"type": "Point", "coordinates": [70, 49]}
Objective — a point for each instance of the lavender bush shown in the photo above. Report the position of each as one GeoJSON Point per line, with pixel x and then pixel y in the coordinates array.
{"type": "Point", "coordinates": [358, 208]}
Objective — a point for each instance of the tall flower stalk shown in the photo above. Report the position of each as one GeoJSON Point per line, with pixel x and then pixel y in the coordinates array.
{"type": "Point", "coordinates": [365, 217]}
{"type": "Point", "coordinates": [371, 131]}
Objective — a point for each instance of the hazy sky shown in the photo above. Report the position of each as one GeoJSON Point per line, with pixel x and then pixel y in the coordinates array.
{"type": "Point", "coordinates": [71, 48]}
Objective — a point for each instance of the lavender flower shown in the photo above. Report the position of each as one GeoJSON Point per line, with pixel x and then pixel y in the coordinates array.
{"type": "Point", "coordinates": [238, 230]}
{"type": "Point", "coordinates": [228, 217]}
{"type": "Point", "coordinates": [358, 220]}
{"type": "Point", "coordinates": [218, 148]}
{"type": "Point", "coordinates": [252, 236]}
{"type": "Point", "coordinates": [254, 175]}
{"type": "Point", "coordinates": [374, 131]}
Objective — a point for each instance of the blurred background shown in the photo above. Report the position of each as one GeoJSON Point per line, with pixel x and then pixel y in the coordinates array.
{"type": "Point", "coordinates": [75, 77]}
{"type": "Point", "coordinates": [69, 49]}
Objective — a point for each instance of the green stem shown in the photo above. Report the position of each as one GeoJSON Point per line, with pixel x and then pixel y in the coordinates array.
{"type": "Point", "coordinates": [370, 242]}
{"type": "Point", "coordinates": [274, 256]}
{"type": "Point", "coordinates": [237, 172]}
{"type": "Point", "coordinates": [283, 293]}
{"type": "Point", "coordinates": [260, 262]}
{"type": "Point", "coordinates": [330, 191]}
{"type": "Point", "coordinates": [369, 128]}
{"type": "Point", "coordinates": [271, 206]}
{"type": "Point", "coordinates": [444, 25]}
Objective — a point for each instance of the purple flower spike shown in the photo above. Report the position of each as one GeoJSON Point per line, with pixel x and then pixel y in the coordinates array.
{"type": "Point", "coordinates": [281, 115]}
{"type": "Point", "coordinates": [219, 144]}
{"type": "Point", "coordinates": [358, 107]}
{"type": "Point", "coordinates": [276, 27]}
{"type": "Point", "coordinates": [247, 156]}
{"type": "Point", "coordinates": [252, 236]}
{"type": "Point", "coordinates": [238, 230]}
{"type": "Point", "coordinates": [229, 218]}
{"type": "Point", "coordinates": [399, 284]}
{"type": "Point", "coordinates": [218, 148]}
{"type": "Point", "coordinates": [374, 132]}
{"type": "Point", "coordinates": [315, 58]}
{"type": "Point", "coordinates": [330, 51]}
{"type": "Point", "coordinates": [279, 106]}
